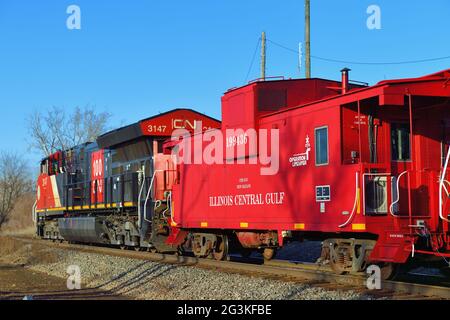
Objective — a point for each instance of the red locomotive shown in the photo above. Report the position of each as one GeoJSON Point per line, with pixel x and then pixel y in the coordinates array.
{"type": "Point", "coordinates": [362, 168]}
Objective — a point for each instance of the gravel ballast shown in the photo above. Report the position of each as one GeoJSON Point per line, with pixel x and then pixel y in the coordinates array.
{"type": "Point", "coordinates": [138, 279]}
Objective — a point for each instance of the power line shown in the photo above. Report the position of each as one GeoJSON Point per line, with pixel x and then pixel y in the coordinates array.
{"type": "Point", "coordinates": [384, 63]}
{"type": "Point", "coordinates": [253, 60]}
{"type": "Point", "coordinates": [359, 62]}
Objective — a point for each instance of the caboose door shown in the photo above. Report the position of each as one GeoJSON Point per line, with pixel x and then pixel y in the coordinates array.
{"type": "Point", "coordinates": [401, 164]}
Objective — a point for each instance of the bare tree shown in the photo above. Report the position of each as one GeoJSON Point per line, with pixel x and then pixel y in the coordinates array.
{"type": "Point", "coordinates": [14, 183]}
{"type": "Point", "coordinates": [56, 129]}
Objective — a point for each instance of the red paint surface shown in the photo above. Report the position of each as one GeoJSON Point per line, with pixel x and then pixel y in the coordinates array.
{"type": "Point", "coordinates": [165, 124]}
{"type": "Point", "coordinates": [45, 193]}
{"type": "Point", "coordinates": [213, 194]}
{"type": "Point", "coordinates": [97, 176]}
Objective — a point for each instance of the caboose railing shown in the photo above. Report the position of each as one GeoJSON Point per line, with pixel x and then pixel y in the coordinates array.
{"type": "Point", "coordinates": [376, 170]}
{"type": "Point", "coordinates": [442, 182]}
{"type": "Point", "coordinates": [355, 204]}
{"type": "Point", "coordinates": [397, 192]}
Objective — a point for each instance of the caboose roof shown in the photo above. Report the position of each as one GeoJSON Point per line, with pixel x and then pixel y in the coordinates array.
{"type": "Point", "coordinates": [389, 92]}
{"type": "Point", "coordinates": [274, 80]}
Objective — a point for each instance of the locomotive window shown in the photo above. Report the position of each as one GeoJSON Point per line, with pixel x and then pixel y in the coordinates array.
{"type": "Point", "coordinates": [321, 145]}
{"type": "Point", "coordinates": [400, 142]}
{"type": "Point", "coordinates": [44, 167]}
{"type": "Point", "coordinates": [160, 146]}
{"type": "Point", "coordinates": [132, 151]}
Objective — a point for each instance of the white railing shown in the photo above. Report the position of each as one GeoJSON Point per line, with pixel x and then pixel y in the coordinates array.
{"type": "Point", "coordinates": [149, 193]}
{"type": "Point", "coordinates": [142, 180]}
{"type": "Point", "coordinates": [397, 192]}
{"type": "Point", "coordinates": [442, 186]}
{"type": "Point", "coordinates": [34, 213]}
{"type": "Point", "coordinates": [355, 204]}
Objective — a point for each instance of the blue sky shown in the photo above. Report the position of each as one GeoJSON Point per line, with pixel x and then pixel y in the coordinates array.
{"type": "Point", "coordinates": [136, 58]}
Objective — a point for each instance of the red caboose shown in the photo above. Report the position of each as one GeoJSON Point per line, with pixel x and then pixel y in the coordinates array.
{"type": "Point", "coordinates": [362, 168]}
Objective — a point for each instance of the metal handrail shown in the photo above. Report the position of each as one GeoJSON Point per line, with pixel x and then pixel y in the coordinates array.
{"type": "Point", "coordinates": [441, 185]}
{"type": "Point", "coordinates": [140, 194]}
{"type": "Point", "coordinates": [148, 194]}
{"type": "Point", "coordinates": [33, 213]}
{"type": "Point", "coordinates": [265, 78]}
{"type": "Point", "coordinates": [398, 194]}
{"type": "Point", "coordinates": [86, 185]}
{"type": "Point", "coordinates": [355, 203]}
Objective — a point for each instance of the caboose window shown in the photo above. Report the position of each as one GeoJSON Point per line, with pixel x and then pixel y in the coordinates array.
{"type": "Point", "coordinates": [321, 145]}
{"type": "Point", "coordinates": [400, 142]}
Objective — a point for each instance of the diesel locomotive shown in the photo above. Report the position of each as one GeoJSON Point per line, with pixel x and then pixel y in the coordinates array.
{"type": "Point", "coordinates": [362, 168]}
{"type": "Point", "coordinates": [105, 191]}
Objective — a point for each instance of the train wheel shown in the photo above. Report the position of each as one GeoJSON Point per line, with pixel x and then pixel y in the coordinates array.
{"type": "Point", "coordinates": [337, 262]}
{"type": "Point", "coordinates": [137, 249]}
{"type": "Point", "coordinates": [337, 268]}
{"type": "Point", "coordinates": [179, 252]}
{"type": "Point", "coordinates": [341, 258]}
{"type": "Point", "coordinates": [269, 253]}
{"type": "Point", "coordinates": [122, 247]}
{"type": "Point", "coordinates": [220, 251]}
{"type": "Point", "coordinates": [388, 271]}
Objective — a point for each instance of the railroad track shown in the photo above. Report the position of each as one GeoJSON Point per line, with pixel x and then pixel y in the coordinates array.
{"type": "Point", "coordinates": [307, 273]}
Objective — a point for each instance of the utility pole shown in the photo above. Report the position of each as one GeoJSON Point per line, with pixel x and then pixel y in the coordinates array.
{"type": "Point", "coordinates": [263, 56]}
{"type": "Point", "coordinates": [307, 39]}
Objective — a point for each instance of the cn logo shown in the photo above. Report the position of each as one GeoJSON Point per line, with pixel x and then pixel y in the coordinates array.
{"type": "Point", "coordinates": [74, 279]}
{"type": "Point", "coordinates": [183, 124]}
{"type": "Point", "coordinates": [374, 280]}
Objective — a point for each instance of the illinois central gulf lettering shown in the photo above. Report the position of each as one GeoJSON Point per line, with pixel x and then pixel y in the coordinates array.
{"type": "Point", "coordinates": [249, 199]}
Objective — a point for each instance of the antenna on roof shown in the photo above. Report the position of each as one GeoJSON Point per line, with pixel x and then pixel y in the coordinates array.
{"type": "Point", "coordinates": [263, 56]}
{"type": "Point", "coordinates": [300, 57]}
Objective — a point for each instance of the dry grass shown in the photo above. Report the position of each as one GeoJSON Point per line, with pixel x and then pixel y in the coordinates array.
{"type": "Point", "coordinates": [17, 252]}
{"type": "Point", "coordinates": [20, 222]}
{"type": "Point", "coordinates": [9, 246]}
